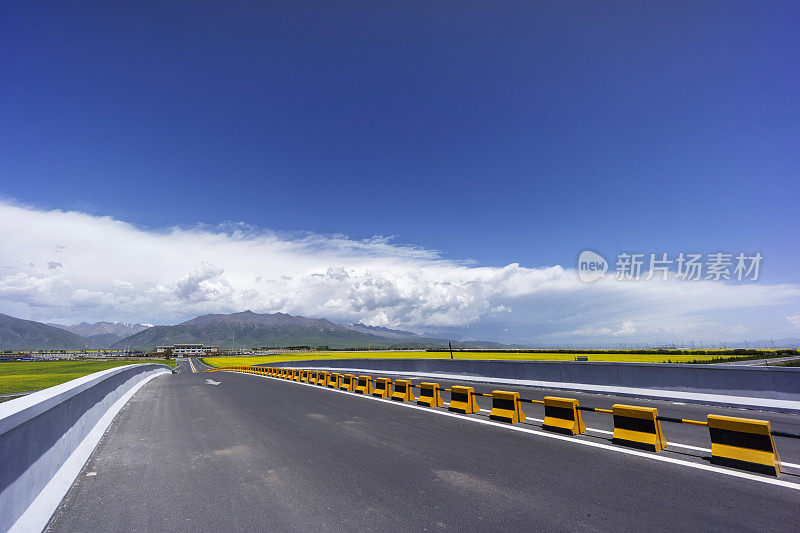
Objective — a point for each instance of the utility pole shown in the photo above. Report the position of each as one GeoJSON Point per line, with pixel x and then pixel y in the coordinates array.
{"type": "Point", "coordinates": [450, 344]}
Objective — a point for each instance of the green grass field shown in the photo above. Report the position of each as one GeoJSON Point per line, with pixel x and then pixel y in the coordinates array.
{"type": "Point", "coordinates": [36, 375]}
{"type": "Point", "coordinates": [615, 357]}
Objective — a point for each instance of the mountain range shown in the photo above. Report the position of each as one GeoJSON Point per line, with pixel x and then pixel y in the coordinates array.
{"type": "Point", "coordinates": [242, 330]}
{"type": "Point", "coordinates": [249, 329]}
{"type": "Point", "coordinates": [102, 334]}
{"type": "Point", "coordinates": [237, 330]}
{"type": "Point", "coordinates": [19, 334]}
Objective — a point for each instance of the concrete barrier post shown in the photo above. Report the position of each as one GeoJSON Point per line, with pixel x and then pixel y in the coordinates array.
{"type": "Point", "coordinates": [743, 443]}
{"type": "Point", "coordinates": [562, 416]}
{"type": "Point", "coordinates": [348, 382]}
{"type": "Point", "coordinates": [462, 400]}
{"type": "Point", "coordinates": [506, 407]}
{"type": "Point", "coordinates": [403, 391]}
{"type": "Point", "coordinates": [430, 395]}
{"type": "Point", "coordinates": [334, 379]}
{"type": "Point", "coordinates": [364, 385]}
{"type": "Point", "coordinates": [638, 427]}
{"type": "Point", "coordinates": [382, 387]}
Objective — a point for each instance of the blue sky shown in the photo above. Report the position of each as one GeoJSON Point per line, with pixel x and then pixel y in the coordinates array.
{"type": "Point", "coordinates": [512, 132]}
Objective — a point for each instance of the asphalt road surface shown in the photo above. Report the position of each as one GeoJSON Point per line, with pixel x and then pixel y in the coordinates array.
{"type": "Point", "coordinates": [757, 362]}
{"type": "Point", "coordinates": [225, 451]}
{"type": "Point", "coordinates": [679, 435]}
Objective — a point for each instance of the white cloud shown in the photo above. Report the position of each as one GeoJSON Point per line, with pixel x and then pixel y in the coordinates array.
{"type": "Point", "coordinates": [794, 320]}
{"type": "Point", "coordinates": [626, 328]}
{"type": "Point", "coordinates": [111, 270]}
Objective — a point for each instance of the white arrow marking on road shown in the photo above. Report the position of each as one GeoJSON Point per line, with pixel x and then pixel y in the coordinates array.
{"type": "Point", "coordinates": [212, 382]}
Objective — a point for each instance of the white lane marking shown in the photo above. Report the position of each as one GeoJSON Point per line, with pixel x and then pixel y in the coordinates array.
{"type": "Point", "coordinates": [565, 438]}
{"type": "Point", "coordinates": [201, 365]}
{"type": "Point", "coordinates": [194, 370]}
{"type": "Point", "coordinates": [212, 382]}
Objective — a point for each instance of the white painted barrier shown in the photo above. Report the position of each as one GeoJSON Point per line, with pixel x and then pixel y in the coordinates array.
{"type": "Point", "coordinates": [46, 437]}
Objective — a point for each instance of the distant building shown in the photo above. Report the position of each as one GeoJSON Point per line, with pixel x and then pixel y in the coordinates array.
{"type": "Point", "coordinates": [188, 349]}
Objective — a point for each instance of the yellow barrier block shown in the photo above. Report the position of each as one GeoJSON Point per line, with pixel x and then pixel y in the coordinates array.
{"type": "Point", "coordinates": [462, 400]}
{"type": "Point", "coordinates": [283, 373]}
{"type": "Point", "coordinates": [333, 380]}
{"type": "Point", "coordinates": [348, 382]}
{"type": "Point", "coordinates": [382, 387]}
{"type": "Point", "coordinates": [638, 427]}
{"type": "Point", "coordinates": [506, 407]}
{"type": "Point", "coordinates": [743, 443]}
{"type": "Point", "coordinates": [403, 391]}
{"type": "Point", "coordinates": [304, 376]}
{"type": "Point", "coordinates": [562, 415]}
{"type": "Point", "coordinates": [296, 375]}
{"type": "Point", "coordinates": [322, 378]}
{"type": "Point", "coordinates": [430, 395]}
{"type": "Point", "coordinates": [363, 385]}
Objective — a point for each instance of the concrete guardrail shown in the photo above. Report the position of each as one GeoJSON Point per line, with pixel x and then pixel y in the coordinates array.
{"type": "Point", "coordinates": [46, 437]}
{"type": "Point", "coordinates": [775, 387]}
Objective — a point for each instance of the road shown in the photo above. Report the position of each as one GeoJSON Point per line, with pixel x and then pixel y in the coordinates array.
{"type": "Point", "coordinates": [759, 362]}
{"type": "Point", "coordinates": [249, 453]}
{"type": "Point", "coordinates": [682, 438]}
